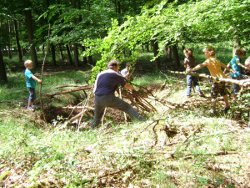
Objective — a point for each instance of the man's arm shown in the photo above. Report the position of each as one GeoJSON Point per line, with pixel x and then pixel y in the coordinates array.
{"type": "Point", "coordinates": [129, 87]}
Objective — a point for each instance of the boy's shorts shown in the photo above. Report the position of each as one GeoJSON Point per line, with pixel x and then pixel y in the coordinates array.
{"type": "Point", "coordinates": [236, 87]}
{"type": "Point", "coordinates": [218, 88]}
{"type": "Point", "coordinates": [32, 94]}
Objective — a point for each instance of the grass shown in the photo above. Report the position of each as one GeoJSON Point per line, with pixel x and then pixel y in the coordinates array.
{"type": "Point", "coordinates": [183, 146]}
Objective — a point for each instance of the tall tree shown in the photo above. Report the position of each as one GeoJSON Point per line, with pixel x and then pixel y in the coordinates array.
{"type": "Point", "coordinates": [29, 19]}
{"type": "Point", "coordinates": [20, 56]}
{"type": "Point", "coordinates": [3, 75]}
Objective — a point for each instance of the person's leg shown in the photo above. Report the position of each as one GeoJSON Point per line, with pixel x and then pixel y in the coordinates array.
{"type": "Point", "coordinates": [99, 110]}
{"type": "Point", "coordinates": [189, 85]}
{"type": "Point", "coordinates": [236, 89]}
{"type": "Point", "coordinates": [120, 104]}
{"type": "Point", "coordinates": [214, 94]}
{"type": "Point", "coordinates": [32, 96]}
{"type": "Point", "coordinates": [196, 85]}
{"type": "Point", "coordinates": [223, 93]}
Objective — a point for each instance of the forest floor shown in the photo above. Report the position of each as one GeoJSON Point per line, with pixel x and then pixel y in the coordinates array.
{"type": "Point", "coordinates": [180, 145]}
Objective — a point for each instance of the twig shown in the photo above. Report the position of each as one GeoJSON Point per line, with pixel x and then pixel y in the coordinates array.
{"type": "Point", "coordinates": [125, 116]}
{"type": "Point", "coordinates": [70, 85]}
{"type": "Point", "coordinates": [86, 102]}
{"type": "Point", "coordinates": [47, 50]}
{"type": "Point", "coordinates": [69, 91]}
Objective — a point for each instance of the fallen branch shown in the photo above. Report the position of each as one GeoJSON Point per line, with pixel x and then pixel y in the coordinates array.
{"type": "Point", "coordinates": [70, 85]}
{"type": "Point", "coordinates": [70, 91]}
{"type": "Point", "coordinates": [78, 107]}
{"type": "Point", "coordinates": [228, 80]}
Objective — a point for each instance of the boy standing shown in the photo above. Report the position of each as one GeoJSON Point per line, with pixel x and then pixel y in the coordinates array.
{"type": "Point", "coordinates": [236, 66]}
{"type": "Point", "coordinates": [189, 63]}
{"type": "Point", "coordinates": [30, 84]}
{"type": "Point", "coordinates": [214, 67]}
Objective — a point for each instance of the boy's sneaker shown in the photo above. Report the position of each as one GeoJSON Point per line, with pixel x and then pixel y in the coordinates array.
{"type": "Point", "coordinates": [30, 109]}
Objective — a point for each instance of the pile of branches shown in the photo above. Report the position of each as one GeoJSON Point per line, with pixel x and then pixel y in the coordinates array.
{"type": "Point", "coordinates": [138, 98]}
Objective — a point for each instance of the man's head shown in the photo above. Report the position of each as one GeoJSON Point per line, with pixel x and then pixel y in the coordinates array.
{"type": "Point", "coordinates": [114, 64]}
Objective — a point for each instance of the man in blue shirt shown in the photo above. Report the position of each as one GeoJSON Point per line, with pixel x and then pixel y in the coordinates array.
{"type": "Point", "coordinates": [105, 85]}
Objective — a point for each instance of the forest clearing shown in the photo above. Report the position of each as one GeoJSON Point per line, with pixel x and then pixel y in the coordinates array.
{"type": "Point", "coordinates": [180, 145]}
{"type": "Point", "coordinates": [176, 133]}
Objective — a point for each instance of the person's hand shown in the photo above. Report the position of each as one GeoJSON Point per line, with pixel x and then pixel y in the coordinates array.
{"type": "Point", "coordinates": [188, 70]}
{"type": "Point", "coordinates": [40, 81]}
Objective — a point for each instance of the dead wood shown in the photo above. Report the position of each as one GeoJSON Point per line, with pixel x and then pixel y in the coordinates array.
{"type": "Point", "coordinates": [71, 85]}
{"type": "Point", "coordinates": [44, 60]}
{"type": "Point", "coordinates": [78, 107]}
{"type": "Point", "coordinates": [70, 91]}
{"type": "Point", "coordinates": [228, 80]}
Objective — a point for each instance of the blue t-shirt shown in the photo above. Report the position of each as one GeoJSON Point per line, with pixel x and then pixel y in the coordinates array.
{"type": "Point", "coordinates": [235, 67]}
{"type": "Point", "coordinates": [30, 82]}
{"type": "Point", "coordinates": [107, 82]}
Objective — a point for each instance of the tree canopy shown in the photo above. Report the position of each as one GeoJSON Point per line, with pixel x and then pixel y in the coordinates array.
{"type": "Point", "coordinates": [194, 21]}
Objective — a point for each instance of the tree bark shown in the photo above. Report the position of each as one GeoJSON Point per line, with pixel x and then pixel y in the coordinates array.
{"type": "Point", "coordinates": [69, 54]}
{"type": "Point", "coordinates": [168, 52]}
{"type": "Point", "coordinates": [236, 44]}
{"type": "Point", "coordinates": [9, 45]}
{"type": "Point", "coordinates": [157, 60]}
{"type": "Point", "coordinates": [19, 50]}
{"type": "Point", "coordinates": [3, 75]}
{"type": "Point", "coordinates": [60, 52]}
{"type": "Point", "coordinates": [30, 36]}
{"type": "Point", "coordinates": [85, 61]}
{"type": "Point", "coordinates": [53, 52]}
{"type": "Point", "coordinates": [176, 56]}
{"type": "Point", "coordinates": [75, 44]}
{"type": "Point", "coordinates": [90, 60]}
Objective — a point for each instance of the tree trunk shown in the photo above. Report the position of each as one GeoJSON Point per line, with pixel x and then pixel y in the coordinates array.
{"type": "Point", "coordinates": [90, 60]}
{"type": "Point", "coordinates": [9, 45]}
{"type": "Point", "coordinates": [60, 52]}
{"type": "Point", "coordinates": [147, 47]}
{"type": "Point", "coordinates": [168, 52]}
{"type": "Point", "coordinates": [76, 55]}
{"type": "Point", "coordinates": [53, 52]}
{"type": "Point", "coordinates": [157, 60]}
{"type": "Point", "coordinates": [75, 44]}
{"type": "Point", "coordinates": [30, 36]}
{"type": "Point", "coordinates": [3, 75]}
{"type": "Point", "coordinates": [236, 44]}
{"type": "Point", "coordinates": [19, 50]}
{"type": "Point", "coordinates": [85, 61]}
{"type": "Point", "coordinates": [176, 56]}
{"type": "Point", "coordinates": [69, 55]}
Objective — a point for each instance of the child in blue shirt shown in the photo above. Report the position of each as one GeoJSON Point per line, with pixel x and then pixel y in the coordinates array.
{"type": "Point", "coordinates": [236, 66]}
{"type": "Point", "coordinates": [30, 84]}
